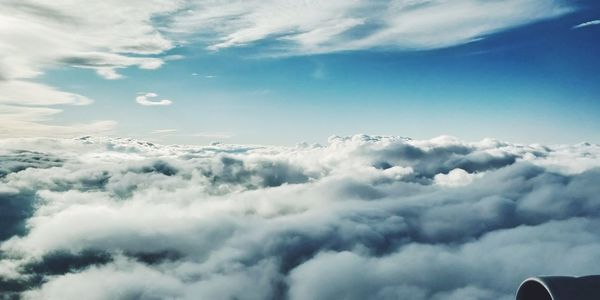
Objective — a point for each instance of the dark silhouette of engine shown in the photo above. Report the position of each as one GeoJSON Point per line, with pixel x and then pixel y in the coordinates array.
{"type": "Point", "coordinates": [560, 288]}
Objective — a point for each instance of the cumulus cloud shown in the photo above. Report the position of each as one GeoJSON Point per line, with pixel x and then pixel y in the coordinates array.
{"type": "Point", "coordinates": [145, 101]}
{"type": "Point", "coordinates": [456, 177]}
{"type": "Point", "coordinates": [586, 24]}
{"type": "Point", "coordinates": [363, 217]}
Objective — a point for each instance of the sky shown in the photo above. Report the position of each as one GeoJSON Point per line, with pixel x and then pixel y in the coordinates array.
{"type": "Point", "coordinates": [282, 72]}
{"type": "Point", "coordinates": [291, 150]}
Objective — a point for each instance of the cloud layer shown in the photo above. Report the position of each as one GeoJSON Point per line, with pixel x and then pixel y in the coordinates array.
{"type": "Point", "coordinates": [364, 217]}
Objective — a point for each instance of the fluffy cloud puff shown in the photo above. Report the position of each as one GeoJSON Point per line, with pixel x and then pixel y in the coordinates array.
{"type": "Point", "coordinates": [144, 100]}
{"type": "Point", "coordinates": [364, 217]}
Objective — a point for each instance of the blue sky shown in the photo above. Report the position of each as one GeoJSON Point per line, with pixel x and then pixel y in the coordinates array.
{"type": "Point", "coordinates": [533, 79]}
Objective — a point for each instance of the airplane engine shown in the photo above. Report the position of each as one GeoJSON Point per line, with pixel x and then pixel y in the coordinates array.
{"type": "Point", "coordinates": [560, 288]}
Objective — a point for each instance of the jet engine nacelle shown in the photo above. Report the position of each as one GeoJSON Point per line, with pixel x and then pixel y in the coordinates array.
{"type": "Point", "coordinates": [560, 288]}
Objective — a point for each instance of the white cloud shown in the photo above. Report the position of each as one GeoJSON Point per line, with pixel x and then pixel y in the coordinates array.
{"type": "Point", "coordinates": [64, 33]}
{"type": "Point", "coordinates": [456, 177]}
{"type": "Point", "coordinates": [23, 111]}
{"type": "Point", "coordinates": [108, 73]}
{"type": "Point", "coordinates": [145, 101]}
{"type": "Point", "coordinates": [586, 24]}
{"type": "Point", "coordinates": [363, 217]}
{"type": "Point", "coordinates": [25, 122]}
{"type": "Point", "coordinates": [105, 36]}
{"type": "Point", "coordinates": [174, 57]}
{"type": "Point", "coordinates": [30, 93]}
{"type": "Point", "coordinates": [125, 33]}
{"type": "Point", "coordinates": [208, 76]}
{"type": "Point", "coordinates": [320, 27]}
{"type": "Point", "coordinates": [122, 280]}
{"type": "Point", "coordinates": [29, 121]}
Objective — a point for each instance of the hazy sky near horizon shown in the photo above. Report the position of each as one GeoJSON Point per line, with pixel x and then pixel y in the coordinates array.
{"type": "Point", "coordinates": [282, 72]}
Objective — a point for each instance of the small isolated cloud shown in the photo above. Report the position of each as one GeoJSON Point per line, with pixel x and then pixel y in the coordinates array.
{"type": "Point", "coordinates": [208, 76]}
{"type": "Point", "coordinates": [108, 73]}
{"type": "Point", "coordinates": [174, 57]}
{"type": "Point", "coordinates": [586, 24]}
{"type": "Point", "coordinates": [144, 100]}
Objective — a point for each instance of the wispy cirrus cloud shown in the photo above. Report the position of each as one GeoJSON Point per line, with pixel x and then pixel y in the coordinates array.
{"type": "Point", "coordinates": [102, 36]}
{"type": "Point", "coordinates": [320, 27]}
{"type": "Point", "coordinates": [164, 131]}
{"type": "Point", "coordinates": [36, 36]}
{"type": "Point", "coordinates": [586, 24]}
{"type": "Point", "coordinates": [24, 111]}
{"type": "Point", "coordinates": [128, 34]}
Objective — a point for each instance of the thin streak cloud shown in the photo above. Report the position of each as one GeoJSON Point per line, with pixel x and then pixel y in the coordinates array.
{"type": "Point", "coordinates": [164, 131]}
{"type": "Point", "coordinates": [587, 24]}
